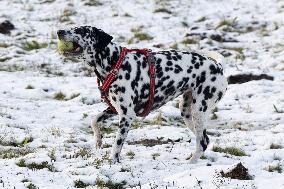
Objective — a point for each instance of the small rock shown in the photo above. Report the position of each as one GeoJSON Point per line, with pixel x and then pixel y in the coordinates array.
{"type": "Point", "coordinates": [6, 27]}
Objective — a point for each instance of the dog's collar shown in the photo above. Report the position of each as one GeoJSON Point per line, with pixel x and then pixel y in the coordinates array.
{"type": "Point", "coordinates": [104, 87]}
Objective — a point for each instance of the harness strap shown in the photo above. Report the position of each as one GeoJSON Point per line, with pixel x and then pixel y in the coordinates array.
{"type": "Point", "coordinates": [113, 73]}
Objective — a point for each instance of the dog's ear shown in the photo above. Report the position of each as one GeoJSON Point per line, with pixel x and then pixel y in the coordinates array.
{"type": "Point", "coordinates": [103, 39]}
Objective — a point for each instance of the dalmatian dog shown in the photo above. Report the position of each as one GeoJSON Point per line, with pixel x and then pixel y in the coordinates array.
{"type": "Point", "coordinates": [197, 77]}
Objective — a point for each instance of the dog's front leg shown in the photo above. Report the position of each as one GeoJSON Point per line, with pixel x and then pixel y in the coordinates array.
{"type": "Point", "coordinates": [97, 124]}
{"type": "Point", "coordinates": [125, 122]}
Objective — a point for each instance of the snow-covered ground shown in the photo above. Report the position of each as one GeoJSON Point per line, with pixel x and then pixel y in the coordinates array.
{"type": "Point", "coordinates": [47, 102]}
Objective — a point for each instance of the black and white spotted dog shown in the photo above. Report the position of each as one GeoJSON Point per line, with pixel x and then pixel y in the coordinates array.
{"type": "Point", "coordinates": [198, 78]}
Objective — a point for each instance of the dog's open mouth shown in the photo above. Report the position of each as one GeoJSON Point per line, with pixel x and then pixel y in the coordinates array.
{"type": "Point", "coordinates": [69, 48]}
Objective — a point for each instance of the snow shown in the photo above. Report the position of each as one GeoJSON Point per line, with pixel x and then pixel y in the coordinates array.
{"type": "Point", "coordinates": [250, 116]}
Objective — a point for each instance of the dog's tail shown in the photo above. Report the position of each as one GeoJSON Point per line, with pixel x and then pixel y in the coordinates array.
{"type": "Point", "coordinates": [215, 56]}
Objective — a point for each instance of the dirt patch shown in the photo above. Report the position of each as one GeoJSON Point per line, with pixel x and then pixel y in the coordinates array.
{"type": "Point", "coordinates": [243, 78]}
{"type": "Point", "coordinates": [153, 142]}
{"type": "Point", "coordinates": [6, 27]}
{"type": "Point", "coordinates": [239, 172]}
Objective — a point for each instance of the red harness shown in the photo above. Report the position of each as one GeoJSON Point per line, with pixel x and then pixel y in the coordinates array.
{"type": "Point", "coordinates": [113, 74]}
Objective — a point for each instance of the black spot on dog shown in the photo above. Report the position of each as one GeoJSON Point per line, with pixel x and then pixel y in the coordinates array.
{"type": "Point", "coordinates": [126, 67]}
{"type": "Point", "coordinates": [199, 89]}
{"type": "Point", "coordinates": [124, 109]}
{"type": "Point", "coordinates": [220, 94]}
{"type": "Point", "coordinates": [169, 63]}
{"type": "Point", "coordinates": [119, 142]}
{"type": "Point", "coordinates": [207, 93]}
{"type": "Point", "coordinates": [200, 79]}
{"type": "Point", "coordinates": [127, 76]}
{"type": "Point", "coordinates": [122, 131]}
{"type": "Point", "coordinates": [214, 69]}
{"type": "Point", "coordinates": [177, 69]}
{"type": "Point", "coordinates": [196, 66]}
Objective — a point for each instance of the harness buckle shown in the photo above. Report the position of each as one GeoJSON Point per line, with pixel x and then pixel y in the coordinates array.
{"type": "Point", "coordinates": [151, 58]}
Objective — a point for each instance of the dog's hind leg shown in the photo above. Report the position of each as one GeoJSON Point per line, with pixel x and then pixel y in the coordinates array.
{"type": "Point", "coordinates": [97, 124]}
{"type": "Point", "coordinates": [199, 118]}
{"type": "Point", "coordinates": [185, 108]}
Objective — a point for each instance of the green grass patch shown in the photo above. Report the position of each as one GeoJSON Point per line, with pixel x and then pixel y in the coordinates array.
{"type": "Point", "coordinates": [275, 146]}
{"type": "Point", "coordinates": [14, 143]}
{"type": "Point", "coordinates": [32, 45]}
{"type": "Point", "coordinates": [85, 115]}
{"type": "Point", "coordinates": [188, 41]}
{"type": "Point", "coordinates": [130, 154]}
{"type": "Point", "coordinates": [155, 155]}
{"type": "Point", "coordinates": [136, 124]}
{"type": "Point", "coordinates": [274, 168]}
{"type": "Point", "coordinates": [14, 153]}
{"type": "Point", "coordinates": [150, 142]}
{"type": "Point", "coordinates": [11, 68]}
{"type": "Point", "coordinates": [107, 130]}
{"type": "Point", "coordinates": [237, 49]}
{"type": "Point", "coordinates": [4, 59]}
{"type": "Point", "coordinates": [110, 184]}
{"type": "Point", "coordinates": [240, 52]}
{"type": "Point", "coordinates": [29, 87]}
{"type": "Point", "coordinates": [59, 96]}
{"type": "Point", "coordinates": [174, 46]}
{"type": "Point", "coordinates": [229, 150]}
{"type": "Point", "coordinates": [80, 184]}
{"type": "Point", "coordinates": [107, 145]}
{"type": "Point", "coordinates": [93, 3]}
{"type": "Point", "coordinates": [227, 22]}
{"type": "Point", "coordinates": [164, 10]}
{"type": "Point", "coordinates": [139, 35]}
{"type": "Point", "coordinates": [75, 95]}
{"type": "Point", "coordinates": [26, 141]}
{"type": "Point", "coordinates": [143, 36]}
{"type": "Point", "coordinates": [158, 120]}
{"type": "Point", "coordinates": [83, 152]}
{"type": "Point", "coordinates": [4, 45]}
{"type": "Point", "coordinates": [201, 19]}
{"type": "Point", "coordinates": [31, 186]}
{"type": "Point", "coordinates": [36, 166]}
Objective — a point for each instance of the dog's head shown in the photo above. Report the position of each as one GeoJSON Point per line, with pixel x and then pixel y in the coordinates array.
{"type": "Point", "coordinates": [81, 40]}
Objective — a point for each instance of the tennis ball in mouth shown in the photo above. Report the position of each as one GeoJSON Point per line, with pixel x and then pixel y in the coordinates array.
{"type": "Point", "coordinates": [65, 46]}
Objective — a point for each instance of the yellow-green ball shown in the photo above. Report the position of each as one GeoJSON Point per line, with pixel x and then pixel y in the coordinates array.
{"type": "Point", "coordinates": [65, 46]}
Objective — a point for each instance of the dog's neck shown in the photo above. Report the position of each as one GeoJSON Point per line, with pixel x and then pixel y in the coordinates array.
{"type": "Point", "coordinates": [104, 59]}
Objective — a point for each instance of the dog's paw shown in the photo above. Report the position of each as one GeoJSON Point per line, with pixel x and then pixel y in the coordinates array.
{"type": "Point", "coordinates": [115, 159]}
{"type": "Point", "coordinates": [194, 158]}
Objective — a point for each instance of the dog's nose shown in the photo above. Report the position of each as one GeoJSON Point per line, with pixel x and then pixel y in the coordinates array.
{"type": "Point", "coordinates": [60, 33]}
